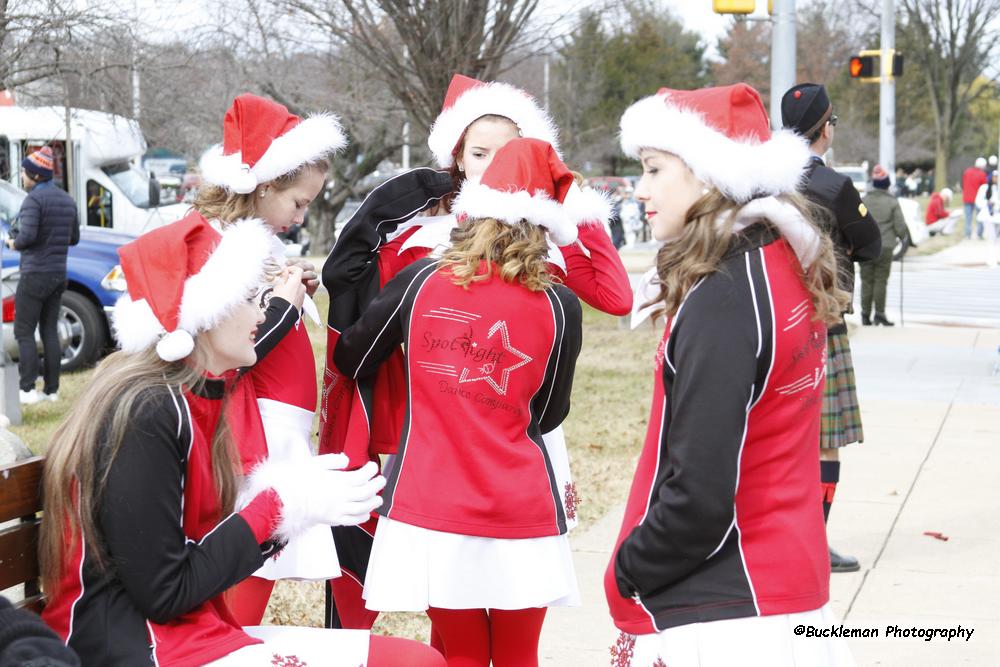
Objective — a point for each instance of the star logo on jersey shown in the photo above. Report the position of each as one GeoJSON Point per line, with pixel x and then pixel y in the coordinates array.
{"type": "Point", "coordinates": [490, 371]}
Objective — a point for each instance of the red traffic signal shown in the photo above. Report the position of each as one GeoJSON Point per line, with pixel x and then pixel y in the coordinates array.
{"type": "Point", "coordinates": [862, 66]}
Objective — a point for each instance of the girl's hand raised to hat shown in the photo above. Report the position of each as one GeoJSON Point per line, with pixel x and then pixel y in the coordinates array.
{"type": "Point", "coordinates": [289, 286]}
{"type": "Point", "coordinates": [309, 276]}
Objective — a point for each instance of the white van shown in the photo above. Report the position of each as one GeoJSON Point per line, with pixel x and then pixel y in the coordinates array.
{"type": "Point", "coordinates": [102, 176]}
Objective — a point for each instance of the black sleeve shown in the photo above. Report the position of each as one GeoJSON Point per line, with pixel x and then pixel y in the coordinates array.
{"type": "Point", "coordinates": [714, 347]}
{"type": "Point", "coordinates": [25, 640]}
{"type": "Point", "coordinates": [370, 340]}
{"type": "Point", "coordinates": [395, 201]}
{"type": "Point", "coordinates": [140, 515]}
{"type": "Point", "coordinates": [28, 219]}
{"type": "Point", "coordinates": [74, 230]}
{"type": "Point", "coordinates": [279, 318]}
{"type": "Point", "coordinates": [857, 226]}
{"type": "Point", "coordinates": [553, 397]}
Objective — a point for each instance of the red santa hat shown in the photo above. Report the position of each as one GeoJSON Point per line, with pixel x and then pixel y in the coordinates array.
{"type": "Point", "coordinates": [185, 278]}
{"type": "Point", "coordinates": [527, 181]}
{"type": "Point", "coordinates": [469, 99]}
{"type": "Point", "coordinates": [261, 141]}
{"type": "Point", "coordinates": [723, 136]}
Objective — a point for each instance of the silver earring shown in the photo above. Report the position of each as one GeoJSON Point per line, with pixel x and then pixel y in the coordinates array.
{"type": "Point", "coordinates": [263, 193]}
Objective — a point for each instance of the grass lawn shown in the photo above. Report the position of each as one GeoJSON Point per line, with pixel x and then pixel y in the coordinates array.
{"type": "Point", "coordinates": [604, 432]}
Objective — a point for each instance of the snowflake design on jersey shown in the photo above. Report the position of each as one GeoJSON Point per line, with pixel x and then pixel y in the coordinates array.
{"type": "Point", "coordinates": [622, 651]}
{"type": "Point", "coordinates": [659, 662]}
{"type": "Point", "coordinates": [287, 661]}
{"type": "Point", "coordinates": [571, 501]}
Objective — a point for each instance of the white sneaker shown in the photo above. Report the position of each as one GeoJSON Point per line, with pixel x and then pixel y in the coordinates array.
{"type": "Point", "coordinates": [31, 397]}
{"type": "Point", "coordinates": [53, 397]}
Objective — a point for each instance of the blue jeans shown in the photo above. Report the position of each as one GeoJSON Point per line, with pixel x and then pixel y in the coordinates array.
{"type": "Point", "coordinates": [970, 212]}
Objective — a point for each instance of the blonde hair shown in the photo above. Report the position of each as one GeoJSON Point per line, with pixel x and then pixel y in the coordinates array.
{"type": "Point", "coordinates": [81, 452]}
{"type": "Point", "coordinates": [519, 252]}
{"type": "Point", "coordinates": [219, 203]}
{"type": "Point", "coordinates": [708, 234]}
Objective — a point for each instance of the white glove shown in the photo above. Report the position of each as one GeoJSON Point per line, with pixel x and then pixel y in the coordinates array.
{"type": "Point", "coordinates": [317, 491]}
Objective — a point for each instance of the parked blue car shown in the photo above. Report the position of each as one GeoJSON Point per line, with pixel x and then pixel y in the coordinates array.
{"type": "Point", "coordinates": [95, 282]}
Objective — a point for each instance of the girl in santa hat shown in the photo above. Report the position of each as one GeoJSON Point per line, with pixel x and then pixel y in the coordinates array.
{"type": "Point", "coordinates": [722, 550]}
{"type": "Point", "coordinates": [146, 524]}
{"type": "Point", "coordinates": [271, 165]}
{"type": "Point", "coordinates": [410, 217]}
{"type": "Point", "coordinates": [474, 530]}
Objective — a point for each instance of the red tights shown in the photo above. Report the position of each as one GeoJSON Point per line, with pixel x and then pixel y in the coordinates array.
{"type": "Point", "coordinates": [473, 637]}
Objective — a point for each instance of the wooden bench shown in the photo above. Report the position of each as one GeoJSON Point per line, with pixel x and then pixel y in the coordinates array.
{"type": "Point", "coordinates": [21, 500]}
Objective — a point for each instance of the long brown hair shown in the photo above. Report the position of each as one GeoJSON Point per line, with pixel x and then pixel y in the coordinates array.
{"type": "Point", "coordinates": [79, 456]}
{"type": "Point", "coordinates": [218, 203]}
{"type": "Point", "coordinates": [708, 234]}
{"type": "Point", "coordinates": [519, 252]}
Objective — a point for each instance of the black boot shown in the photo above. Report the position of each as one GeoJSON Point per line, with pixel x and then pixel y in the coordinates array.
{"type": "Point", "coordinates": [840, 563]}
{"type": "Point", "coordinates": [883, 320]}
{"type": "Point", "coordinates": [865, 320]}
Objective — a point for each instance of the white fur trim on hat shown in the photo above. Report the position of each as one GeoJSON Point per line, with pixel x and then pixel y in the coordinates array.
{"type": "Point", "coordinates": [312, 139]}
{"type": "Point", "coordinates": [493, 98]}
{"type": "Point", "coordinates": [476, 200]}
{"type": "Point", "coordinates": [235, 268]}
{"type": "Point", "coordinates": [739, 169]}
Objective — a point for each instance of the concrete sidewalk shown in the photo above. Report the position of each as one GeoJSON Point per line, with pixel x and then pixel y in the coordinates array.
{"type": "Point", "coordinates": [930, 460]}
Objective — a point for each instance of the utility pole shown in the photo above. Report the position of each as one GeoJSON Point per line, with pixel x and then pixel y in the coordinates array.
{"type": "Point", "coordinates": [545, 72]}
{"type": "Point", "coordinates": [887, 91]}
{"type": "Point", "coordinates": [782, 55]}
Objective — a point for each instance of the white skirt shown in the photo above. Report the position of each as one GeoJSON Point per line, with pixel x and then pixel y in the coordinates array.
{"type": "Point", "coordinates": [413, 568]}
{"type": "Point", "coordinates": [312, 555]}
{"type": "Point", "coordinates": [291, 646]}
{"type": "Point", "coordinates": [764, 641]}
{"type": "Point", "coordinates": [555, 446]}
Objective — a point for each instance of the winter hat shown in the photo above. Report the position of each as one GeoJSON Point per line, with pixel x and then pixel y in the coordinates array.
{"type": "Point", "coordinates": [527, 181]}
{"type": "Point", "coordinates": [880, 177]}
{"type": "Point", "coordinates": [469, 99]}
{"type": "Point", "coordinates": [185, 278]}
{"type": "Point", "coordinates": [723, 136]}
{"type": "Point", "coordinates": [980, 163]}
{"type": "Point", "coordinates": [946, 193]}
{"type": "Point", "coordinates": [262, 140]}
{"type": "Point", "coordinates": [805, 108]}
{"type": "Point", "coordinates": [993, 161]}
{"type": "Point", "coordinates": [39, 164]}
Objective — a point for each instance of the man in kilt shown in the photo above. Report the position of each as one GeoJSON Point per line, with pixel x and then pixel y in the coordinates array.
{"type": "Point", "coordinates": [807, 110]}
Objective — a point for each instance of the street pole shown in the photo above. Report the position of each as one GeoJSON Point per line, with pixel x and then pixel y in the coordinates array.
{"type": "Point", "coordinates": [545, 72]}
{"type": "Point", "coordinates": [887, 92]}
{"type": "Point", "coordinates": [782, 56]}
{"type": "Point", "coordinates": [406, 145]}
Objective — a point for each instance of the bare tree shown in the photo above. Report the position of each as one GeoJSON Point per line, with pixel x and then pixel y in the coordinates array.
{"type": "Point", "coordinates": [952, 42]}
{"type": "Point", "coordinates": [414, 48]}
{"type": "Point", "coordinates": [41, 39]}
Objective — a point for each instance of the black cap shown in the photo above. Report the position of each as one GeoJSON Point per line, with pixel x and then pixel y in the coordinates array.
{"type": "Point", "coordinates": [805, 107]}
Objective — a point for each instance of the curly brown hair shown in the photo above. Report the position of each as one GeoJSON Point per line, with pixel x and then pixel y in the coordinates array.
{"type": "Point", "coordinates": [518, 251]}
{"type": "Point", "coordinates": [707, 236]}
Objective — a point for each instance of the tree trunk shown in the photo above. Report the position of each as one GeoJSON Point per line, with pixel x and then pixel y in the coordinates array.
{"type": "Point", "coordinates": [941, 159]}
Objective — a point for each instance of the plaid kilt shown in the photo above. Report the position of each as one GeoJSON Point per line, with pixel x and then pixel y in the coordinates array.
{"type": "Point", "coordinates": [840, 423]}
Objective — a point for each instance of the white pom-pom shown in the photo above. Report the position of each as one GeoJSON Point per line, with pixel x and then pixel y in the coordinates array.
{"type": "Point", "coordinates": [175, 345]}
{"type": "Point", "coordinates": [562, 233]}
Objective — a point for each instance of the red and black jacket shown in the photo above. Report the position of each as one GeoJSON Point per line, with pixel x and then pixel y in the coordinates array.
{"type": "Point", "coordinates": [169, 552]}
{"type": "Point", "coordinates": [488, 369]}
{"type": "Point", "coordinates": [722, 520]}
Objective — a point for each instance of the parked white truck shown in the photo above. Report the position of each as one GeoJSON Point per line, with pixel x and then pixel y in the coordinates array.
{"type": "Point", "coordinates": [101, 173]}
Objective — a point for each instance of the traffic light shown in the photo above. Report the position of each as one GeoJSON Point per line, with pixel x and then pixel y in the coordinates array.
{"type": "Point", "coordinates": [897, 64]}
{"type": "Point", "coordinates": [734, 6]}
{"type": "Point", "coordinates": [862, 67]}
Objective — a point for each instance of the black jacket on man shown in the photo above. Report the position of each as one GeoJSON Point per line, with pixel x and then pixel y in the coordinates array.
{"type": "Point", "coordinates": [855, 234]}
{"type": "Point", "coordinates": [47, 225]}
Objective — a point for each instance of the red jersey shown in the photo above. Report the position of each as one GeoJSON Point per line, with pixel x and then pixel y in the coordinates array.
{"type": "Point", "coordinates": [972, 179]}
{"type": "Point", "coordinates": [488, 370]}
{"type": "Point", "coordinates": [935, 209]}
{"type": "Point", "coordinates": [722, 520]}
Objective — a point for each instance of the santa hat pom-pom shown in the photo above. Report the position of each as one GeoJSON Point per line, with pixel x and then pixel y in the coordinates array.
{"type": "Point", "coordinates": [562, 233]}
{"type": "Point", "coordinates": [175, 345]}
{"type": "Point", "coordinates": [243, 181]}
